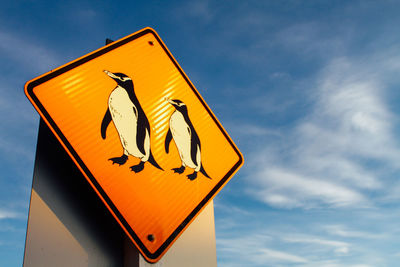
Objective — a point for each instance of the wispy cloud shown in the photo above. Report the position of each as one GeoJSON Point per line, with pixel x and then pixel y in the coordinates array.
{"type": "Point", "coordinates": [26, 53]}
{"type": "Point", "coordinates": [248, 130]}
{"type": "Point", "coordinates": [282, 246]}
{"type": "Point", "coordinates": [16, 145]}
{"type": "Point", "coordinates": [284, 189]}
{"type": "Point", "coordinates": [339, 246]}
{"type": "Point", "coordinates": [218, 205]}
{"type": "Point", "coordinates": [327, 157]}
{"type": "Point", "coordinates": [6, 214]}
{"type": "Point", "coordinates": [303, 238]}
{"type": "Point", "coordinates": [342, 231]}
{"type": "Point", "coordinates": [256, 251]}
{"type": "Point", "coordinates": [311, 40]}
{"type": "Point", "coordinates": [275, 255]}
{"type": "Point", "coordinates": [201, 11]}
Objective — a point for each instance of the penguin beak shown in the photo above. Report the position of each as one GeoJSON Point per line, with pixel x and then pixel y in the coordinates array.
{"type": "Point", "coordinates": [109, 73]}
{"type": "Point", "coordinates": [170, 101]}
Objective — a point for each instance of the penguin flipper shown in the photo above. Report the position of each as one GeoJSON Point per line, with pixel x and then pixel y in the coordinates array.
{"type": "Point", "coordinates": [153, 162]}
{"type": "Point", "coordinates": [204, 172]}
{"type": "Point", "coordinates": [194, 149]}
{"type": "Point", "coordinates": [105, 122]}
{"type": "Point", "coordinates": [141, 134]}
{"type": "Point", "coordinates": [168, 139]}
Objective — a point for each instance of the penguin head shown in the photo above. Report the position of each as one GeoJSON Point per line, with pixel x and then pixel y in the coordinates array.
{"type": "Point", "coordinates": [122, 79]}
{"type": "Point", "coordinates": [178, 104]}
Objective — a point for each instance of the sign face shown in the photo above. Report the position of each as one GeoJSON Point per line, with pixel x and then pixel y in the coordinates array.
{"type": "Point", "coordinates": [141, 135]}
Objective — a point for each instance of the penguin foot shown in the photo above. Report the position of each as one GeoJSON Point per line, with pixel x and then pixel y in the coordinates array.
{"type": "Point", "coordinates": [179, 170]}
{"type": "Point", "coordinates": [119, 160]}
{"type": "Point", "coordinates": [192, 176]}
{"type": "Point", "coordinates": [138, 168]}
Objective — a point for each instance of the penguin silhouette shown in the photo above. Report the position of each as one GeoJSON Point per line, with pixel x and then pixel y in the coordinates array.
{"type": "Point", "coordinates": [186, 140]}
{"type": "Point", "coordinates": [130, 121]}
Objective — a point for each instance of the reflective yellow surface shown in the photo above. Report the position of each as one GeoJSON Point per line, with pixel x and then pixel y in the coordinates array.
{"type": "Point", "coordinates": [152, 201]}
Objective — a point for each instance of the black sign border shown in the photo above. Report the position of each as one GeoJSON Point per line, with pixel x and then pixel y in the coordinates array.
{"type": "Point", "coordinates": [29, 90]}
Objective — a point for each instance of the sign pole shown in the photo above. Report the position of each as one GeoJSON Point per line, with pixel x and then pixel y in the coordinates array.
{"type": "Point", "coordinates": [195, 247]}
{"type": "Point", "coordinates": [68, 225]}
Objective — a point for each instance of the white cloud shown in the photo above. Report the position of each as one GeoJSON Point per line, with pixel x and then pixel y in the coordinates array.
{"type": "Point", "coordinates": [342, 250]}
{"type": "Point", "coordinates": [350, 105]}
{"type": "Point", "coordinates": [314, 240]}
{"type": "Point", "coordinates": [334, 264]}
{"type": "Point", "coordinates": [255, 250]}
{"type": "Point", "coordinates": [5, 214]}
{"type": "Point", "coordinates": [326, 158]}
{"type": "Point", "coordinates": [202, 11]}
{"type": "Point", "coordinates": [339, 246]}
{"type": "Point", "coordinates": [17, 145]}
{"type": "Point", "coordinates": [275, 255]}
{"type": "Point", "coordinates": [10, 228]}
{"type": "Point", "coordinates": [85, 14]}
{"type": "Point", "coordinates": [247, 130]}
{"type": "Point", "coordinates": [26, 53]}
{"type": "Point", "coordinates": [309, 39]}
{"type": "Point", "coordinates": [15, 149]}
{"type": "Point", "coordinates": [229, 208]}
{"type": "Point", "coordinates": [302, 238]}
{"type": "Point", "coordinates": [285, 189]}
{"type": "Point", "coordinates": [342, 231]}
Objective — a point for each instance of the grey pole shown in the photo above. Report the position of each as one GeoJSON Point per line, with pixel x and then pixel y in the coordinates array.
{"type": "Point", "coordinates": [68, 224]}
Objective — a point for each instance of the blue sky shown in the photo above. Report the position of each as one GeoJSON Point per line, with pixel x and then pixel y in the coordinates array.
{"type": "Point", "coordinates": [308, 90]}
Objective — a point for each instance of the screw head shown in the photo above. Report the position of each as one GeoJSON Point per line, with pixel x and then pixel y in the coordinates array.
{"type": "Point", "coordinates": [151, 238]}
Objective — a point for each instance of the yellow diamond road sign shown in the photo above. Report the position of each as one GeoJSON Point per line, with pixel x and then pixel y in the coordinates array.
{"type": "Point", "coordinates": [141, 135]}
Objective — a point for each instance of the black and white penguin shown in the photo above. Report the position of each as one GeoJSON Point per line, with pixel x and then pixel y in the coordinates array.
{"type": "Point", "coordinates": [130, 121]}
{"type": "Point", "coordinates": [186, 140]}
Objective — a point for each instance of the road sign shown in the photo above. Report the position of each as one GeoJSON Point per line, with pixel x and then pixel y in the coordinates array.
{"type": "Point", "coordinates": [141, 134]}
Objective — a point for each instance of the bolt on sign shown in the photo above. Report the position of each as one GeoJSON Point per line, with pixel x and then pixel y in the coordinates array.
{"type": "Point", "coordinates": [141, 135]}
